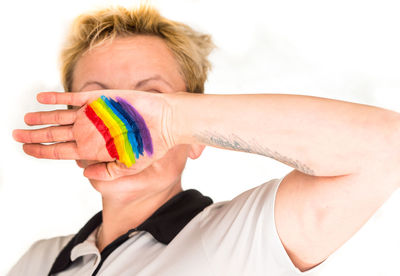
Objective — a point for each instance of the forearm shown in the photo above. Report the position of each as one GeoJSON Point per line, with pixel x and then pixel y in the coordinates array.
{"type": "Point", "coordinates": [317, 136]}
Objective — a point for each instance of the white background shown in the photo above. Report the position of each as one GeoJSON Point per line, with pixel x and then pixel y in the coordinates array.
{"type": "Point", "coordinates": [346, 50]}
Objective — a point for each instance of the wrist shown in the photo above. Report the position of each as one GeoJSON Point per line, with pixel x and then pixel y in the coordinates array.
{"type": "Point", "coordinates": [182, 111]}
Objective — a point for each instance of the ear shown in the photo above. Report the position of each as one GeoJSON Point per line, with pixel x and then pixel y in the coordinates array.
{"type": "Point", "coordinates": [195, 150]}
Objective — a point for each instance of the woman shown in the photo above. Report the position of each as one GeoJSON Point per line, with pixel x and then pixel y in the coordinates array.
{"type": "Point", "coordinates": [148, 225]}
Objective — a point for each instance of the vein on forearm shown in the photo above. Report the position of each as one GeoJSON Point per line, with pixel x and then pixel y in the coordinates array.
{"type": "Point", "coordinates": [234, 142]}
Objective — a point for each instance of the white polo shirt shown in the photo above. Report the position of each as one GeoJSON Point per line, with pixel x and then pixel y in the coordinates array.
{"type": "Point", "coordinates": [187, 236]}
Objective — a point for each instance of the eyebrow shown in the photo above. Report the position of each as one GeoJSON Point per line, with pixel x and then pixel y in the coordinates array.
{"type": "Point", "coordinates": [93, 82]}
{"type": "Point", "coordinates": [134, 87]}
{"type": "Point", "coordinates": [155, 77]}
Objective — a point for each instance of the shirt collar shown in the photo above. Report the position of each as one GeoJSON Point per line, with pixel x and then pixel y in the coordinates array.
{"type": "Point", "coordinates": [164, 224]}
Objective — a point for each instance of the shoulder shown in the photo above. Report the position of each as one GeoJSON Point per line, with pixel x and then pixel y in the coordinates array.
{"type": "Point", "coordinates": [241, 232]}
{"type": "Point", "coordinates": [38, 259]}
{"type": "Point", "coordinates": [249, 215]}
{"type": "Point", "coordinates": [248, 205]}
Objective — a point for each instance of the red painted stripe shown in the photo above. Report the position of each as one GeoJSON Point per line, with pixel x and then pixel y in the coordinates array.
{"type": "Point", "coordinates": [102, 128]}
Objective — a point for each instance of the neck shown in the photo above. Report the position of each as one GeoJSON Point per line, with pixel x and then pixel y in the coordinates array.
{"type": "Point", "coordinates": [120, 215]}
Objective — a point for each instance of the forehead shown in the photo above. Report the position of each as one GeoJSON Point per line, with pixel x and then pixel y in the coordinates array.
{"type": "Point", "coordinates": [124, 61]}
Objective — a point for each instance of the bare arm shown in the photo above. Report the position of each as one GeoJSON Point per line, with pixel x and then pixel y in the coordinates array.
{"type": "Point", "coordinates": [345, 156]}
{"type": "Point", "coordinates": [317, 136]}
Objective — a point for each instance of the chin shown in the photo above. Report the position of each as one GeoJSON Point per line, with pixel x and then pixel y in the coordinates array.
{"type": "Point", "coordinates": [148, 182]}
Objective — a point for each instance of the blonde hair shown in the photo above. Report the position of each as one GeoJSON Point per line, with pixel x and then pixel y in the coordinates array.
{"type": "Point", "coordinates": [89, 30]}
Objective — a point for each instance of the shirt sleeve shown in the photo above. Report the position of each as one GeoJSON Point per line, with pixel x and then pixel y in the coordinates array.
{"type": "Point", "coordinates": [39, 257]}
{"type": "Point", "coordinates": [240, 236]}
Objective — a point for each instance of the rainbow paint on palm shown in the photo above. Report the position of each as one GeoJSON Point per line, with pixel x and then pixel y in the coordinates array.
{"type": "Point", "coordinates": [122, 127]}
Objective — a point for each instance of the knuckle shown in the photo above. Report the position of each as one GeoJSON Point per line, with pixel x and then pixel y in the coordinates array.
{"type": "Point", "coordinates": [109, 169]}
{"type": "Point", "coordinates": [115, 169]}
{"type": "Point", "coordinates": [40, 117]}
{"type": "Point", "coordinates": [69, 134]}
{"type": "Point", "coordinates": [30, 136]}
{"type": "Point", "coordinates": [72, 116]}
{"type": "Point", "coordinates": [56, 151]}
{"type": "Point", "coordinates": [57, 117]}
{"type": "Point", "coordinates": [50, 135]}
{"type": "Point", "coordinates": [72, 98]}
{"type": "Point", "coordinates": [39, 152]}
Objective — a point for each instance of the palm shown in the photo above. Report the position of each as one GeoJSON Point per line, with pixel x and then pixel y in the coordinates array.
{"type": "Point", "coordinates": [83, 141]}
{"type": "Point", "coordinates": [91, 144]}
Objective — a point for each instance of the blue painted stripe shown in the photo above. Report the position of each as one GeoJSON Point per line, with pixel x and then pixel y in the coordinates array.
{"type": "Point", "coordinates": [131, 138]}
{"type": "Point", "coordinates": [132, 123]}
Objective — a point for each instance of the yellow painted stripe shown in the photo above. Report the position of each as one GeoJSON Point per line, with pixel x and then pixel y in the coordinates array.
{"type": "Point", "coordinates": [124, 132]}
{"type": "Point", "coordinates": [113, 128]}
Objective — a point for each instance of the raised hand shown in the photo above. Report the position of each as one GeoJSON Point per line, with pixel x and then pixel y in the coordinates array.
{"type": "Point", "coordinates": [74, 136]}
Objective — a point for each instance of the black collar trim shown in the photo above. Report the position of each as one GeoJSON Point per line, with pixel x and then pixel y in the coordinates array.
{"type": "Point", "coordinates": [164, 224]}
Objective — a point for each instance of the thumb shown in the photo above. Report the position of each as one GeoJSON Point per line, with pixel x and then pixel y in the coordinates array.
{"type": "Point", "coordinates": [105, 171]}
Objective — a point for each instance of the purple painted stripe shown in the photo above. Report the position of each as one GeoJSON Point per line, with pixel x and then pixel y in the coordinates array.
{"type": "Point", "coordinates": [144, 131]}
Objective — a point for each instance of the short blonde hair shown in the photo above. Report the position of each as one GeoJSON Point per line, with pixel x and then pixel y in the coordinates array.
{"type": "Point", "coordinates": [189, 47]}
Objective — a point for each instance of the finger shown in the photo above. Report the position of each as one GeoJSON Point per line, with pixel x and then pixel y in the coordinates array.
{"type": "Point", "coordinates": [81, 164]}
{"type": "Point", "coordinates": [65, 151]}
{"type": "Point", "coordinates": [55, 117]}
{"type": "Point", "coordinates": [99, 172]}
{"type": "Point", "coordinates": [44, 135]}
{"type": "Point", "coordinates": [108, 171]}
{"type": "Point", "coordinates": [68, 98]}
{"type": "Point", "coordinates": [84, 163]}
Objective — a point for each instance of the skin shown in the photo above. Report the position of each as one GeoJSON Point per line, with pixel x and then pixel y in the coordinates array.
{"type": "Point", "coordinates": [340, 151]}
{"type": "Point", "coordinates": [126, 64]}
